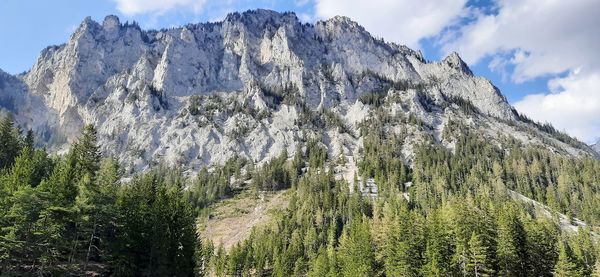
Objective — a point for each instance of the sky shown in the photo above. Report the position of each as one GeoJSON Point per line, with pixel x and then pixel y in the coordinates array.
{"type": "Point", "coordinates": [544, 55]}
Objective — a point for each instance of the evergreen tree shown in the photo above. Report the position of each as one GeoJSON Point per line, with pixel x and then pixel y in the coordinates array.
{"type": "Point", "coordinates": [565, 266]}
{"type": "Point", "coordinates": [320, 264]}
{"type": "Point", "coordinates": [596, 272]}
{"type": "Point", "coordinates": [478, 263]}
{"type": "Point", "coordinates": [97, 210]}
{"type": "Point", "coordinates": [356, 251]}
{"type": "Point", "coordinates": [439, 246]}
{"type": "Point", "coordinates": [511, 244]}
{"type": "Point", "coordinates": [541, 247]}
{"type": "Point", "coordinates": [29, 140]}
{"type": "Point", "coordinates": [87, 152]}
{"type": "Point", "coordinates": [10, 144]}
{"type": "Point", "coordinates": [156, 236]}
{"type": "Point", "coordinates": [402, 246]}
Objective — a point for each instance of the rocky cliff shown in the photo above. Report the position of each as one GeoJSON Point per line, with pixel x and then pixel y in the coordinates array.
{"type": "Point", "coordinates": [252, 85]}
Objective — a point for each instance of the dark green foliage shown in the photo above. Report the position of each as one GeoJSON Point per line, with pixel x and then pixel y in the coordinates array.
{"type": "Point", "coordinates": [156, 236]}
{"type": "Point", "coordinates": [273, 176]}
{"type": "Point", "coordinates": [548, 128]}
{"type": "Point", "coordinates": [541, 247]}
{"type": "Point", "coordinates": [194, 104]}
{"type": "Point", "coordinates": [220, 183]}
{"type": "Point", "coordinates": [402, 244]}
{"type": "Point", "coordinates": [373, 98]}
{"type": "Point", "coordinates": [382, 152]}
{"type": "Point", "coordinates": [426, 101]}
{"type": "Point", "coordinates": [378, 96]}
{"type": "Point", "coordinates": [566, 266]}
{"type": "Point", "coordinates": [387, 84]}
{"type": "Point", "coordinates": [463, 104]}
{"type": "Point", "coordinates": [478, 262]}
{"type": "Point", "coordinates": [288, 94]}
{"type": "Point", "coordinates": [158, 98]}
{"type": "Point", "coordinates": [87, 152]}
{"type": "Point", "coordinates": [511, 244]}
{"type": "Point", "coordinates": [10, 142]}
{"type": "Point", "coordinates": [71, 215]}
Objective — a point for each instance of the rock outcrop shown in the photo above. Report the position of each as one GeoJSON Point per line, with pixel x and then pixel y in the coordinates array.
{"type": "Point", "coordinates": [253, 85]}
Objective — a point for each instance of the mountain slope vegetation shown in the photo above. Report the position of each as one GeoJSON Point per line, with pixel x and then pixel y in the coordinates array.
{"type": "Point", "coordinates": [451, 213]}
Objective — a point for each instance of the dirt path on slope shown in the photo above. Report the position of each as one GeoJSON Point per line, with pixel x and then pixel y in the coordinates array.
{"type": "Point", "coordinates": [232, 220]}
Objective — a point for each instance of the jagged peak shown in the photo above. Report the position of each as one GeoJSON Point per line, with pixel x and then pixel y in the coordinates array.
{"type": "Point", "coordinates": [88, 25]}
{"type": "Point", "coordinates": [260, 16]}
{"type": "Point", "coordinates": [344, 22]}
{"type": "Point", "coordinates": [110, 26]}
{"type": "Point", "coordinates": [87, 22]}
{"type": "Point", "coordinates": [111, 22]}
{"type": "Point", "coordinates": [454, 61]}
{"type": "Point", "coordinates": [342, 19]}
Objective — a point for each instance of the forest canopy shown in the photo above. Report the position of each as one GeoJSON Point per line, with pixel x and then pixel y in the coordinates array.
{"type": "Point", "coordinates": [453, 212]}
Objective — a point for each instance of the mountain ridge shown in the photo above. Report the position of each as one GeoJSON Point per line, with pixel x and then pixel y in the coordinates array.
{"type": "Point", "coordinates": [255, 84]}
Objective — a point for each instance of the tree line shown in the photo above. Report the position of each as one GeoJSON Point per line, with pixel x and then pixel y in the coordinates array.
{"type": "Point", "coordinates": [72, 214]}
{"type": "Point", "coordinates": [450, 214]}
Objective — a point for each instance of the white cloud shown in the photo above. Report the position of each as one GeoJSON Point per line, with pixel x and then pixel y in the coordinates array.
{"type": "Point", "coordinates": [402, 21]}
{"type": "Point", "coordinates": [543, 38]}
{"type": "Point", "coordinates": [573, 105]}
{"type": "Point", "coordinates": [133, 7]}
{"type": "Point", "coordinates": [305, 17]}
{"type": "Point", "coordinates": [537, 37]}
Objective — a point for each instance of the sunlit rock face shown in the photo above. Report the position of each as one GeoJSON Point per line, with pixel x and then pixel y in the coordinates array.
{"type": "Point", "coordinates": [253, 85]}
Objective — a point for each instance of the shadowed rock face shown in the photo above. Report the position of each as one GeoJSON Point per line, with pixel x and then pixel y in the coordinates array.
{"type": "Point", "coordinates": [596, 147]}
{"type": "Point", "coordinates": [202, 93]}
{"type": "Point", "coordinates": [29, 110]}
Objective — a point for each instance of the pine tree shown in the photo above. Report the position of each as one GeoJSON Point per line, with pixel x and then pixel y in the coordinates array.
{"type": "Point", "coordinates": [87, 152]}
{"type": "Point", "coordinates": [204, 253]}
{"type": "Point", "coordinates": [478, 262]}
{"type": "Point", "coordinates": [10, 145]}
{"type": "Point", "coordinates": [402, 244]}
{"type": "Point", "coordinates": [541, 247]}
{"type": "Point", "coordinates": [22, 172]}
{"type": "Point", "coordinates": [332, 256]}
{"type": "Point", "coordinates": [355, 251]}
{"type": "Point", "coordinates": [20, 240]}
{"type": "Point", "coordinates": [219, 261]}
{"type": "Point", "coordinates": [29, 140]}
{"type": "Point", "coordinates": [319, 266]}
{"type": "Point", "coordinates": [156, 234]}
{"type": "Point", "coordinates": [511, 244]}
{"type": "Point", "coordinates": [565, 266]}
{"type": "Point", "coordinates": [596, 272]}
{"type": "Point", "coordinates": [439, 246]}
{"type": "Point", "coordinates": [96, 204]}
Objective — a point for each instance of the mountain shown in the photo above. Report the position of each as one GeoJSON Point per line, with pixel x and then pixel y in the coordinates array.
{"type": "Point", "coordinates": [253, 85]}
{"type": "Point", "coordinates": [29, 110]}
{"type": "Point", "coordinates": [317, 150]}
{"type": "Point", "coordinates": [596, 146]}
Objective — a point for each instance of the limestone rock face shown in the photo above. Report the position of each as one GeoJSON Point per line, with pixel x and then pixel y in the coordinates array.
{"type": "Point", "coordinates": [27, 109]}
{"type": "Point", "coordinates": [255, 84]}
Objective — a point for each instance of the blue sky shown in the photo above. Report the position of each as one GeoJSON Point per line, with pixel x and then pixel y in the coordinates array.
{"type": "Point", "coordinates": [542, 54]}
